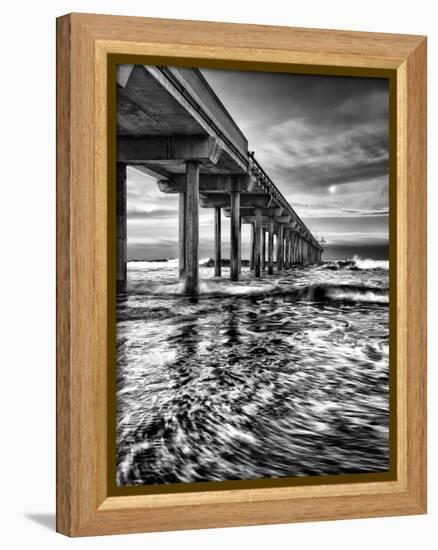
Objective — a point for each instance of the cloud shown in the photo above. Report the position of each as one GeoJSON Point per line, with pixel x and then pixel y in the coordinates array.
{"type": "Point", "coordinates": [159, 213]}
{"type": "Point", "coordinates": [296, 155]}
{"type": "Point", "coordinates": [351, 212]}
{"type": "Point", "coordinates": [319, 210]}
{"type": "Point", "coordinates": [337, 102]}
{"type": "Point", "coordinates": [352, 237]}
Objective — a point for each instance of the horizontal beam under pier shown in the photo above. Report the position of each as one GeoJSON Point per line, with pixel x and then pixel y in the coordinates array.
{"type": "Point", "coordinates": [248, 212]}
{"type": "Point", "coordinates": [204, 149]}
{"type": "Point", "coordinates": [208, 183]}
{"type": "Point", "coordinates": [265, 219]}
{"type": "Point", "coordinates": [215, 200]}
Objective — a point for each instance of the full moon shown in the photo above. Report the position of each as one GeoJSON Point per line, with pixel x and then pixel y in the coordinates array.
{"type": "Point", "coordinates": [332, 189]}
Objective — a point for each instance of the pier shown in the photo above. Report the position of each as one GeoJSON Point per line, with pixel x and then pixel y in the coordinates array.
{"type": "Point", "coordinates": [173, 127]}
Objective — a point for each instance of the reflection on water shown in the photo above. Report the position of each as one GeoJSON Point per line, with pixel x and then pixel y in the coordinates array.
{"type": "Point", "coordinates": [285, 376]}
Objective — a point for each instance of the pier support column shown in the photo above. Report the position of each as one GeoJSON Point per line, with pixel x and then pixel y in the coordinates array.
{"type": "Point", "coordinates": [285, 266]}
{"type": "Point", "coordinates": [280, 247]}
{"type": "Point", "coordinates": [239, 259]}
{"type": "Point", "coordinates": [257, 241]}
{"type": "Point", "coordinates": [121, 251]}
{"type": "Point", "coordinates": [293, 245]}
{"type": "Point", "coordinates": [181, 234]}
{"type": "Point", "coordinates": [285, 241]}
{"type": "Point", "coordinates": [292, 241]}
{"type": "Point", "coordinates": [287, 248]}
{"type": "Point", "coordinates": [271, 246]}
{"type": "Point", "coordinates": [235, 234]}
{"type": "Point", "coordinates": [217, 242]}
{"type": "Point", "coordinates": [192, 227]}
{"type": "Point", "coordinates": [263, 249]}
{"type": "Point", "coordinates": [251, 247]}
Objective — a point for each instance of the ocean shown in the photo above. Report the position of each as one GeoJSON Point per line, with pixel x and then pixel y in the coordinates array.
{"type": "Point", "coordinates": [282, 376]}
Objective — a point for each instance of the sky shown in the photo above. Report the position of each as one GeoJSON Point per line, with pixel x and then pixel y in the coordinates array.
{"type": "Point", "coordinates": [323, 140]}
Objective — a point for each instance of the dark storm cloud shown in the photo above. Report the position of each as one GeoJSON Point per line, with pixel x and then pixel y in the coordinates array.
{"type": "Point", "coordinates": [308, 158]}
{"type": "Point", "coordinates": [333, 172]}
{"type": "Point", "coordinates": [312, 131]}
{"type": "Point", "coordinates": [337, 102]}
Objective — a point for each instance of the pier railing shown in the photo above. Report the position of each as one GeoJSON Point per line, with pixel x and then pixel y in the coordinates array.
{"type": "Point", "coordinates": [266, 183]}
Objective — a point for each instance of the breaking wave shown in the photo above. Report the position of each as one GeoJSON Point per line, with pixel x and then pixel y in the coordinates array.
{"type": "Point", "coordinates": [323, 292]}
{"type": "Point", "coordinates": [355, 264]}
{"type": "Point", "coordinates": [344, 293]}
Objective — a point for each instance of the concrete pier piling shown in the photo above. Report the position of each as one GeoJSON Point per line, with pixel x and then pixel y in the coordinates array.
{"type": "Point", "coordinates": [192, 227]}
{"type": "Point", "coordinates": [263, 249]}
{"type": "Point", "coordinates": [251, 246]}
{"type": "Point", "coordinates": [217, 242]}
{"type": "Point", "coordinates": [271, 246]}
{"type": "Point", "coordinates": [280, 247]}
{"type": "Point", "coordinates": [181, 234]}
{"type": "Point", "coordinates": [235, 235]}
{"type": "Point", "coordinates": [286, 248]}
{"type": "Point", "coordinates": [257, 242]}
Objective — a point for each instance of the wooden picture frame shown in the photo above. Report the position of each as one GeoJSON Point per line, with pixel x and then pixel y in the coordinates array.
{"type": "Point", "coordinates": [84, 44]}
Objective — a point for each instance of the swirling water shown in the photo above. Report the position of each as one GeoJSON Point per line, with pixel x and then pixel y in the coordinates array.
{"type": "Point", "coordinates": [282, 376]}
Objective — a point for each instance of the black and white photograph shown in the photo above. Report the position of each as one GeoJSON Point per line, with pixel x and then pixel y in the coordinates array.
{"type": "Point", "coordinates": [252, 267]}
